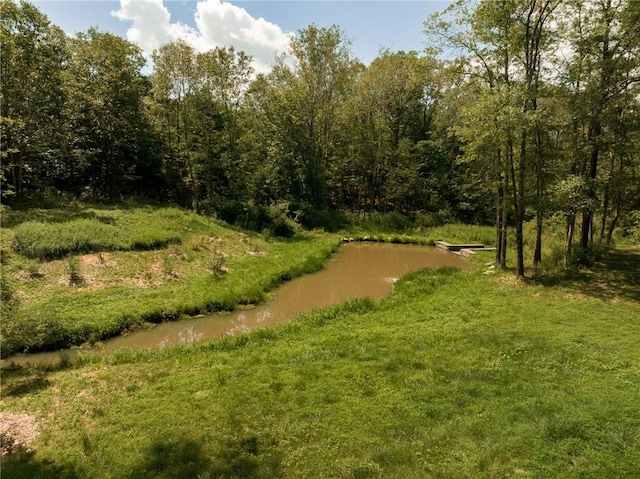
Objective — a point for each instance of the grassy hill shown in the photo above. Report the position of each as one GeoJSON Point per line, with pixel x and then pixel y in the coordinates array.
{"type": "Point", "coordinates": [83, 274]}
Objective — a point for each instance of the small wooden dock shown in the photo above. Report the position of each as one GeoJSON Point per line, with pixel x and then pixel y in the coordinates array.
{"type": "Point", "coordinates": [462, 249]}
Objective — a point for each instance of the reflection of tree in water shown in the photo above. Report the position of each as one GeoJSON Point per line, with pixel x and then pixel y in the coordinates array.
{"type": "Point", "coordinates": [190, 336]}
{"type": "Point", "coordinates": [263, 316]}
{"type": "Point", "coordinates": [239, 326]}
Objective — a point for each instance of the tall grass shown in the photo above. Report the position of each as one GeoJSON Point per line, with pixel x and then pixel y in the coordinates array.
{"type": "Point", "coordinates": [47, 241]}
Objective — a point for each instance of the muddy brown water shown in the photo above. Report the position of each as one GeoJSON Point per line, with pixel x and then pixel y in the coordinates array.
{"type": "Point", "coordinates": [358, 270]}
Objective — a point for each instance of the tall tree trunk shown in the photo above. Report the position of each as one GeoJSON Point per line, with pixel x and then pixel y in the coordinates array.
{"type": "Point", "coordinates": [520, 206]}
{"type": "Point", "coordinates": [500, 213]}
{"type": "Point", "coordinates": [596, 126]}
{"type": "Point", "coordinates": [586, 234]}
{"type": "Point", "coordinates": [617, 203]}
{"type": "Point", "coordinates": [607, 194]}
{"type": "Point", "coordinates": [614, 220]}
{"type": "Point", "coordinates": [571, 223]}
{"type": "Point", "coordinates": [505, 221]}
{"type": "Point", "coordinates": [537, 254]}
{"type": "Point", "coordinates": [517, 184]}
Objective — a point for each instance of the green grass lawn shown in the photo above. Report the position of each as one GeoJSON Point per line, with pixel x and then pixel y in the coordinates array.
{"type": "Point", "coordinates": [456, 375]}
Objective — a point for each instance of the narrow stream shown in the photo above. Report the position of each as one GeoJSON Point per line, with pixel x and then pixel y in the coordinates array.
{"type": "Point", "coordinates": [358, 270]}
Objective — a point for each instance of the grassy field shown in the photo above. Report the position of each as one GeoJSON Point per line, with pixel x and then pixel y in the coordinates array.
{"type": "Point", "coordinates": [139, 264]}
{"type": "Point", "coordinates": [455, 375]}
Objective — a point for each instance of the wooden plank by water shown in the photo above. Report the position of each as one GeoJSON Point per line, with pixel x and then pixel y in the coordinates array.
{"type": "Point", "coordinates": [458, 247]}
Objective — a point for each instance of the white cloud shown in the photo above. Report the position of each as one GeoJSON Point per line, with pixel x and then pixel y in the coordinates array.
{"type": "Point", "coordinates": [217, 24]}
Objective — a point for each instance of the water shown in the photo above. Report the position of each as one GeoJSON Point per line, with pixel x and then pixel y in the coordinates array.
{"type": "Point", "coordinates": [358, 270]}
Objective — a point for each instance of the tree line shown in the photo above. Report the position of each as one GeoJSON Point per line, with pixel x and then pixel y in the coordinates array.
{"type": "Point", "coordinates": [518, 110]}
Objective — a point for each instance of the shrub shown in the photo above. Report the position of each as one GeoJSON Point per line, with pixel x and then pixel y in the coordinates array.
{"type": "Point", "coordinates": [382, 222]}
{"type": "Point", "coordinates": [433, 219]}
{"type": "Point", "coordinates": [8, 298]}
{"type": "Point", "coordinates": [54, 240]}
{"type": "Point", "coordinates": [75, 272]}
{"type": "Point", "coordinates": [216, 263]}
{"type": "Point", "coordinates": [273, 219]}
{"type": "Point", "coordinates": [311, 217]}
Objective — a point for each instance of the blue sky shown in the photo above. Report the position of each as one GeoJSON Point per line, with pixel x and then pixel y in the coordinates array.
{"type": "Point", "coordinates": [259, 27]}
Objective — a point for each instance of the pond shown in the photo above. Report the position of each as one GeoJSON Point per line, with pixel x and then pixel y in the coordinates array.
{"type": "Point", "coordinates": [358, 270]}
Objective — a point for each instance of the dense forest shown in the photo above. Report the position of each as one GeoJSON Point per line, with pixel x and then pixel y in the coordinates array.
{"type": "Point", "coordinates": [518, 111]}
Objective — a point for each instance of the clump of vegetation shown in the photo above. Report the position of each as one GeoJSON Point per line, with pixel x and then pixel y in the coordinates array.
{"type": "Point", "coordinates": [75, 271]}
{"type": "Point", "coordinates": [216, 263]}
{"type": "Point", "coordinates": [52, 240]}
{"type": "Point", "coordinates": [8, 298]}
{"type": "Point", "coordinates": [32, 268]}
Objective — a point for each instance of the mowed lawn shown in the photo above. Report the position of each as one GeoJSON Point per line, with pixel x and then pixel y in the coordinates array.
{"type": "Point", "coordinates": [456, 375]}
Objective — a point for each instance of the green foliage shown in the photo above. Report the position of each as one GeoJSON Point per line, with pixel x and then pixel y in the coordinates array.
{"type": "Point", "coordinates": [47, 240]}
{"type": "Point", "coordinates": [488, 135]}
{"type": "Point", "coordinates": [570, 195]}
{"type": "Point", "coordinates": [432, 220]}
{"type": "Point", "coordinates": [275, 219]}
{"type": "Point", "coordinates": [8, 297]}
{"type": "Point", "coordinates": [216, 263]}
{"type": "Point", "coordinates": [75, 271]}
{"type": "Point", "coordinates": [318, 218]}
{"type": "Point", "coordinates": [630, 229]}
{"type": "Point", "coordinates": [32, 54]}
{"type": "Point", "coordinates": [381, 222]}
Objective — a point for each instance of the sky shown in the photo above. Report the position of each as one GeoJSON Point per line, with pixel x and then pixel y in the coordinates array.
{"type": "Point", "coordinates": [260, 28]}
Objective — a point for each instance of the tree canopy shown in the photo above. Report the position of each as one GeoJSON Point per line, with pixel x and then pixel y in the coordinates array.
{"type": "Point", "coordinates": [517, 111]}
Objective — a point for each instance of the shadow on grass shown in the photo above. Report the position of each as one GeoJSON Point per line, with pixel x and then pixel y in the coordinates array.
{"type": "Point", "coordinates": [24, 465]}
{"type": "Point", "coordinates": [615, 275]}
{"type": "Point", "coordinates": [21, 386]}
{"type": "Point", "coordinates": [172, 458]}
{"type": "Point", "coordinates": [247, 457]}
{"type": "Point", "coordinates": [57, 215]}
{"type": "Point", "coordinates": [176, 457]}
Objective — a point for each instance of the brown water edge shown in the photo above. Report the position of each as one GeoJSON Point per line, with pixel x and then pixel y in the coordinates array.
{"type": "Point", "coordinates": [358, 270]}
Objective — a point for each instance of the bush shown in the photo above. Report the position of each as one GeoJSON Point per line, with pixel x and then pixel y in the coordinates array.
{"type": "Point", "coordinates": [54, 240]}
{"type": "Point", "coordinates": [273, 219]}
{"type": "Point", "coordinates": [313, 218]}
{"type": "Point", "coordinates": [433, 219]}
{"type": "Point", "coordinates": [8, 297]}
{"type": "Point", "coordinates": [34, 334]}
{"type": "Point", "coordinates": [75, 271]}
{"type": "Point", "coordinates": [629, 231]}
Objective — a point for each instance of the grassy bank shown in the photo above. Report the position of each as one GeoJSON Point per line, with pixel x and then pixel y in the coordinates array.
{"type": "Point", "coordinates": [140, 264]}
{"type": "Point", "coordinates": [456, 375]}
